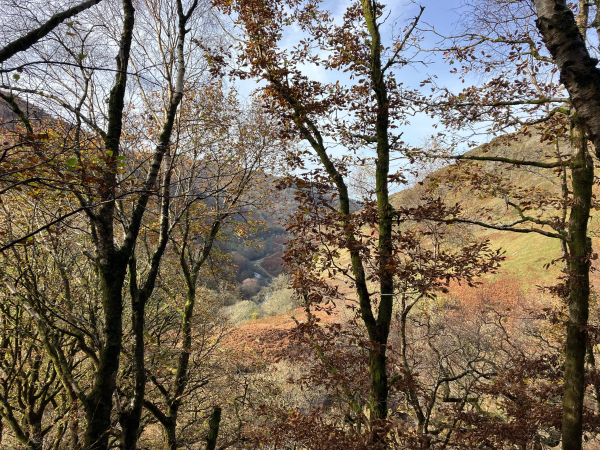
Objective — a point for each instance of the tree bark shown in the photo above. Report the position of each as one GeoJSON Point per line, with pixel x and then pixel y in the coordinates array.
{"type": "Point", "coordinates": [213, 432]}
{"type": "Point", "coordinates": [170, 430]}
{"type": "Point", "coordinates": [110, 261]}
{"type": "Point", "coordinates": [381, 331]}
{"type": "Point", "coordinates": [131, 418]}
{"type": "Point", "coordinates": [581, 77]}
{"type": "Point", "coordinates": [579, 290]}
{"type": "Point", "coordinates": [98, 403]}
{"type": "Point", "coordinates": [74, 423]}
{"type": "Point", "coordinates": [578, 71]}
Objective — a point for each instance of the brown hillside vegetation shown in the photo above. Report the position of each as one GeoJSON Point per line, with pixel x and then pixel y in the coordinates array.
{"type": "Point", "coordinates": [523, 272]}
{"type": "Point", "coordinates": [508, 310]}
{"type": "Point", "coordinates": [269, 339]}
{"type": "Point", "coordinates": [200, 248]}
{"type": "Point", "coordinates": [273, 264]}
{"type": "Point", "coordinates": [527, 253]}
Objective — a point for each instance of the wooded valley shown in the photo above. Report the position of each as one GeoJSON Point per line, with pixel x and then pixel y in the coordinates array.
{"type": "Point", "coordinates": [299, 224]}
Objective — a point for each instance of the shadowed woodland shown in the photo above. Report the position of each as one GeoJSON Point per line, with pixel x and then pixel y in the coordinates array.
{"type": "Point", "coordinates": [221, 229]}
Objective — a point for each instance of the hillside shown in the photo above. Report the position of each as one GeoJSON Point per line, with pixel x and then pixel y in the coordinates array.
{"type": "Point", "coordinates": [526, 253]}
{"type": "Point", "coordinates": [261, 257]}
{"type": "Point", "coordinates": [529, 256]}
{"type": "Point", "coordinates": [10, 119]}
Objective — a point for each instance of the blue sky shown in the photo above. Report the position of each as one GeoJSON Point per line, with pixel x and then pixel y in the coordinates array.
{"type": "Point", "coordinates": [443, 15]}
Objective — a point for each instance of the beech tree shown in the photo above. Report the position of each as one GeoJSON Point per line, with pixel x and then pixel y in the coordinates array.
{"type": "Point", "coordinates": [564, 38]}
{"type": "Point", "coordinates": [526, 92]}
{"type": "Point", "coordinates": [365, 114]}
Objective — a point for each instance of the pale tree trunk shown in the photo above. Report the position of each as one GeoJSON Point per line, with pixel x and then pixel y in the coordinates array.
{"type": "Point", "coordinates": [578, 71]}
{"type": "Point", "coordinates": [581, 77]}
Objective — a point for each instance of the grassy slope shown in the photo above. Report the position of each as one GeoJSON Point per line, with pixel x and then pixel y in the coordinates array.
{"type": "Point", "coordinates": [527, 254]}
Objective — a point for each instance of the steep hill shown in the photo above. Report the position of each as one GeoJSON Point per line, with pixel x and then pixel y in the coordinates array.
{"type": "Point", "coordinates": [10, 119]}
{"type": "Point", "coordinates": [527, 253]}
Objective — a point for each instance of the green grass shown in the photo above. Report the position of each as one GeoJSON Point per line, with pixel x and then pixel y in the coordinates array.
{"type": "Point", "coordinates": [526, 256]}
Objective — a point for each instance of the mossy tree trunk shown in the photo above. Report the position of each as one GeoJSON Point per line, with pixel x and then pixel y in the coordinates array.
{"type": "Point", "coordinates": [581, 77]}
{"type": "Point", "coordinates": [579, 244]}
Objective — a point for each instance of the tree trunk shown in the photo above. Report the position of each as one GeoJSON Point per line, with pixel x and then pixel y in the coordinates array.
{"type": "Point", "coordinates": [74, 424]}
{"type": "Point", "coordinates": [591, 360]}
{"type": "Point", "coordinates": [213, 432]}
{"type": "Point", "coordinates": [190, 272]}
{"type": "Point", "coordinates": [170, 430]}
{"type": "Point", "coordinates": [36, 441]}
{"type": "Point", "coordinates": [579, 290]}
{"type": "Point", "coordinates": [111, 263]}
{"type": "Point", "coordinates": [98, 405]}
{"type": "Point", "coordinates": [581, 77]}
{"type": "Point", "coordinates": [578, 71]}
{"type": "Point", "coordinates": [377, 357]}
{"type": "Point", "coordinates": [131, 417]}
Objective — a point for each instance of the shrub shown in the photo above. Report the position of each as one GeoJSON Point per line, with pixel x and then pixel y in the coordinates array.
{"type": "Point", "coordinates": [269, 301]}
{"type": "Point", "coordinates": [241, 311]}
{"type": "Point", "coordinates": [250, 287]}
{"type": "Point", "coordinates": [279, 302]}
{"type": "Point", "coordinates": [281, 386]}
